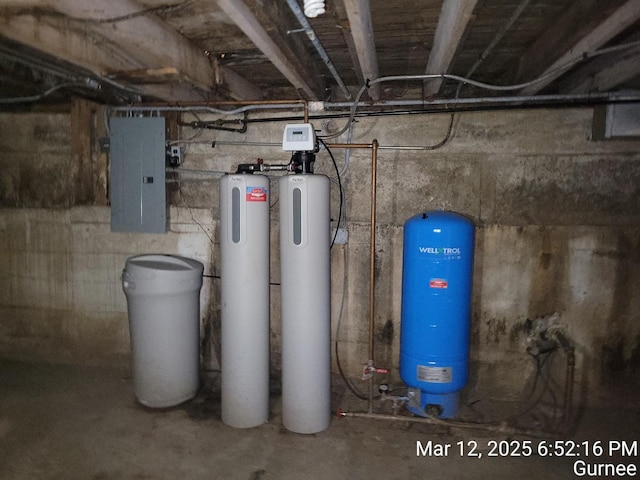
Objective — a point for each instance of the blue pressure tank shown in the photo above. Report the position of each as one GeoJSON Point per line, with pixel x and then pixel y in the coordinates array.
{"type": "Point", "coordinates": [437, 272]}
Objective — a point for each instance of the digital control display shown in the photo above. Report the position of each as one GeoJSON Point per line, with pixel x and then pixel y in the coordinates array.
{"type": "Point", "coordinates": [299, 137]}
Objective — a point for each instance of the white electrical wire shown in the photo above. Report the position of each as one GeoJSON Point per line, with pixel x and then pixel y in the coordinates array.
{"type": "Point", "coordinates": [204, 108]}
{"type": "Point", "coordinates": [347, 151]}
{"type": "Point", "coordinates": [40, 96]}
{"type": "Point", "coordinates": [482, 85]}
{"type": "Point", "coordinates": [355, 103]}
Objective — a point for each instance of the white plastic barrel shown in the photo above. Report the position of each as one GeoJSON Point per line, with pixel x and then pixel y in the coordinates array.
{"type": "Point", "coordinates": [163, 302]}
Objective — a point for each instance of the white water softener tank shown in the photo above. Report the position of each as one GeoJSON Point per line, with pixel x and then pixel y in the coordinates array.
{"type": "Point", "coordinates": [244, 274]}
{"type": "Point", "coordinates": [163, 302]}
{"type": "Point", "coordinates": [306, 315]}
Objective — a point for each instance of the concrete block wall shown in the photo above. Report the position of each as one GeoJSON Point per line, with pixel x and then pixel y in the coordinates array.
{"type": "Point", "coordinates": [61, 297]}
{"type": "Point", "coordinates": [36, 160]}
{"type": "Point", "coordinates": [558, 231]}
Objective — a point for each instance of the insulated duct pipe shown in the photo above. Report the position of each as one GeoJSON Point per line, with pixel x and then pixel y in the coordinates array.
{"type": "Point", "coordinates": [295, 8]}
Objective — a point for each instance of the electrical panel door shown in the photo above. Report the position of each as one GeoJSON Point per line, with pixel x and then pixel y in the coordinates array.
{"type": "Point", "coordinates": [137, 174]}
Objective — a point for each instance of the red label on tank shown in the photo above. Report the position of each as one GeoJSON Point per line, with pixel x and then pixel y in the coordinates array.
{"type": "Point", "coordinates": [256, 194]}
{"type": "Point", "coordinates": [438, 283]}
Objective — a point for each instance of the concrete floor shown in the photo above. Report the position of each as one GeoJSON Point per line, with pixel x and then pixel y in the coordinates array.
{"type": "Point", "coordinates": [62, 422]}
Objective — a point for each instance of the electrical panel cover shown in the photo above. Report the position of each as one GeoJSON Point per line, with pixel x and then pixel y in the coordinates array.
{"type": "Point", "coordinates": [137, 174]}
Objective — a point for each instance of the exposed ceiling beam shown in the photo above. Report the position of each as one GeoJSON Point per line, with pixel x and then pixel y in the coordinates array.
{"type": "Point", "coordinates": [604, 73]}
{"type": "Point", "coordinates": [239, 87]}
{"type": "Point", "coordinates": [244, 18]}
{"type": "Point", "coordinates": [80, 49]}
{"type": "Point", "coordinates": [452, 23]}
{"type": "Point", "coordinates": [276, 21]}
{"type": "Point", "coordinates": [136, 44]}
{"type": "Point", "coordinates": [622, 18]}
{"type": "Point", "coordinates": [565, 30]}
{"type": "Point", "coordinates": [148, 38]}
{"type": "Point", "coordinates": [343, 21]}
{"type": "Point", "coordinates": [359, 15]}
{"type": "Point", "coordinates": [72, 44]}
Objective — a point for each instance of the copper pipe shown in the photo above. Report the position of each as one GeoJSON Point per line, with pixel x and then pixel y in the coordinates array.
{"type": "Point", "coordinates": [372, 263]}
{"type": "Point", "coordinates": [372, 248]}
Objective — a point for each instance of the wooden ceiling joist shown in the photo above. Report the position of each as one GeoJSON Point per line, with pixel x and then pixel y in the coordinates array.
{"type": "Point", "coordinates": [361, 25]}
{"type": "Point", "coordinates": [244, 18]}
{"type": "Point", "coordinates": [341, 15]}
{"type": "Point", "coordinates": [621, 19]}
{"type": "Point", "coordinates": [208, 50]}
{"type": "Point", "coordinates": [84, 36]}
{"type": "Point", "coordinates": [605, 73]}
{"type": "Point", "coordinates": [452, 23]}
{"type": "Point", "coordinates": [56, 37]}
{"type": "Point", "coordinates": [147, 38]}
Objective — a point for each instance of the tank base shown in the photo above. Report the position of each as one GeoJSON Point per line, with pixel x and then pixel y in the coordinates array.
{"type": "Point", "coordinates": [166, 402]}
{"type": "Point", "coordinates": [441, 405]}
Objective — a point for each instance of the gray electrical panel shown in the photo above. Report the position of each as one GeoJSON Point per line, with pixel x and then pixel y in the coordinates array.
{"type": "Point", "coordinates": [137, 174]}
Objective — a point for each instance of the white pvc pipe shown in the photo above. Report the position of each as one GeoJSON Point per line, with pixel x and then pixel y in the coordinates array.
{"type": "Point", "coordinates": [244, 274]}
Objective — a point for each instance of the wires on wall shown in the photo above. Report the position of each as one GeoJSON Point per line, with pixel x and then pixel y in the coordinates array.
{"type": "Point", "coordinates": [339, 180]}
{"type": "Point", "coordinates": [138, 13]}
{"type": "Point", "coordinates": [40, 96]}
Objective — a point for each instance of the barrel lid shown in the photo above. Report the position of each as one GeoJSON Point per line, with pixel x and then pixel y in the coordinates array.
{"type": "Point", "coordinates": [163, 264]}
